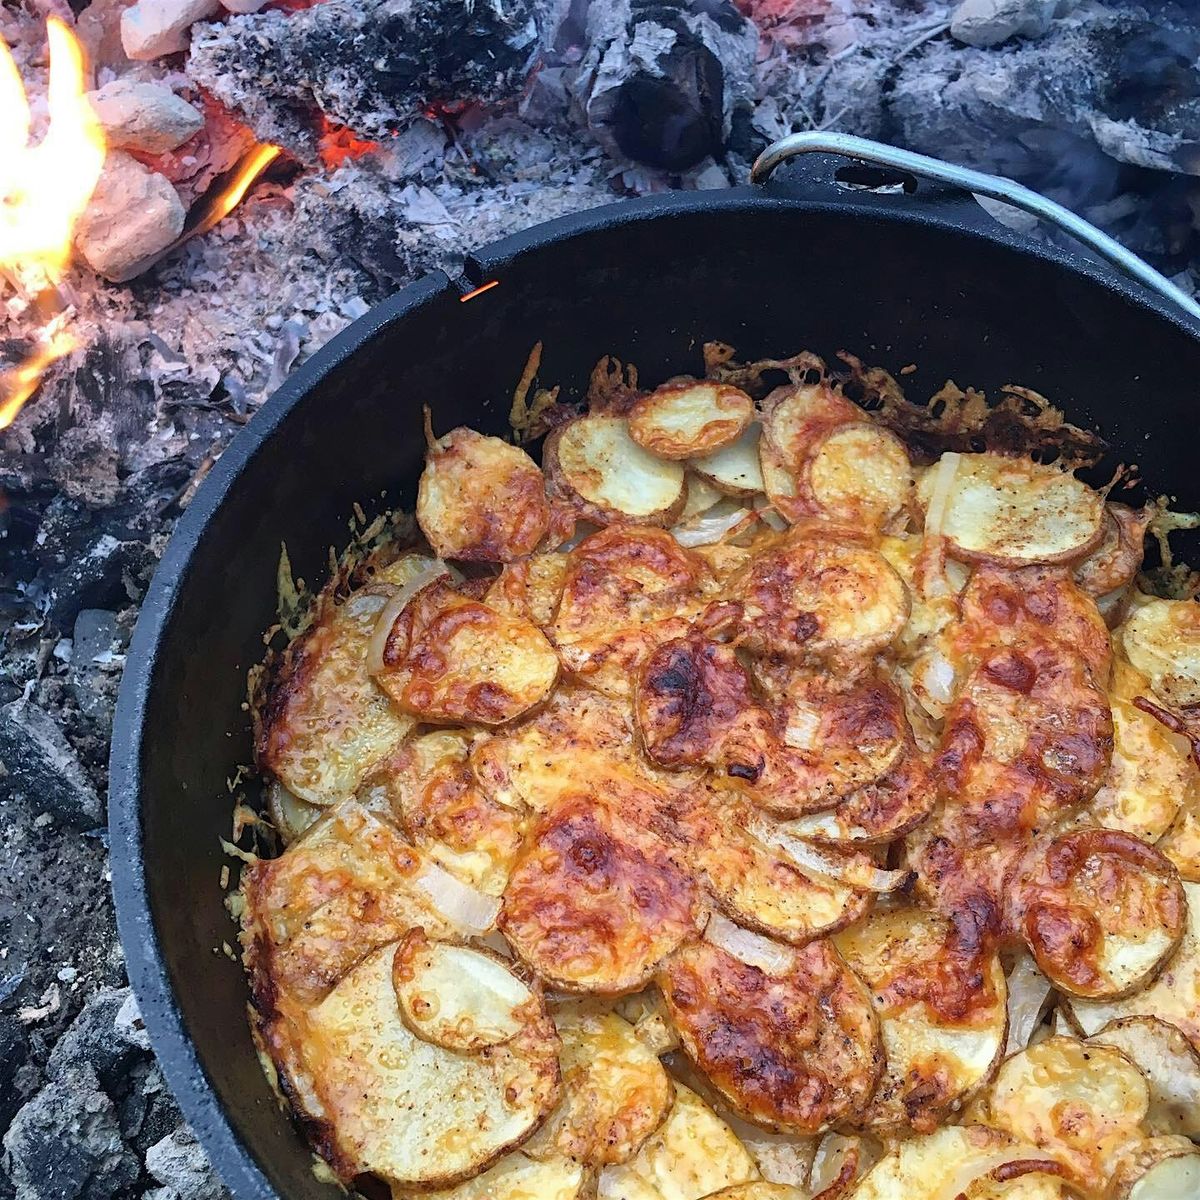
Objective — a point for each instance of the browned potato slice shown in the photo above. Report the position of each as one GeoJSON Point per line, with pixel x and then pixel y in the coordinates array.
{"type": "Point", "coordinates": [944, 1164]}
{"type": "Point", "coordinates": [481, 499]}
{"type": "Point", "coordinates": [626, 591]}
{"type": "Point", "coordinates": [878, 812]}
{"type": "Point", "coordinates": [690, 418]}
{"type": "Point", "coordinates": [734, 469]}
{"type": "Point", "coordinates": [1024, 745]}
{"type": "Point", "coordinates": [393, 1105]}
{"type": "Point", "coordinates": [1034, 1185]}
{"type": "Point", "coordinates": [351, 883]}
{"type": "Point", "coordinates": [1171, 1065]}
{"type": "Point", "coordinates": [1100, 910]}
{"type": "Point", "coordinates": [1152, 773]}
{"type": "Point", "coordinates": [813, 597]}
{"type": "Point", "coordinates": [1159, 1168]}
{"type": "Point", "coordinates": [797, 417]}
{"type": "Point", "coordinates": [780, 484]}
{"type": "Point", "coordinates": [860, 474]}
{"type": "Point", "coordinates": [941, 1009]}
{"type": "Point", "coordinates": [692, 1154]}
{"type": "Point", "coordinates": [1001, 607]}
{"type": "Point", "coordinates": [515, 1177]}
{"type": "Point", "coordinates": [450, 659]}
{"type": "Point", "coordinates": [1079, 1103]}
{"type": "Point", "coordinates": [530, 588]}
{"type": "Point", "coordinates": [428, 787]}
{"type": "Point", "coordinates": [326, 723]}
{"type": "Point", "coordinates": [458, 997]}
{"type": "Point", "coordinates": [615, 1091]}
{"type": "Point", "coordinates": [594, 464]}
{"type": "Point", "coordinates": [1117, 559]}
{"type": "Point", "coordinates": [597, 901]}
{"type": "Point", "coordinates": [1174, 996]}
{"type": "Point", "coordinates": [1013, 511]}
{"type": "Point", "coordinates": [1162, 640]}
{"type": "Point", "coordinates": [810, 1037]}
{"type": "Point", "coordinates": [762, 888]}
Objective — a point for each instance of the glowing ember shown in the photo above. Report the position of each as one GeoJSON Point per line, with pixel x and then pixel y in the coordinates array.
{"type": "Point", "coordinates": [339, 144]}
{"type": "Point", "coordinates": [43, 191]}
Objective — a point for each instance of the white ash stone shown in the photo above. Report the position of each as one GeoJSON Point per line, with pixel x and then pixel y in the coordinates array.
{"type": "Point", "coordinates": [990, 22]}
{"type": "Point", "coordinates": [242, 6]}
{"type": "Point", "coordinates": [133, 213]}
{"type": "Point", "coordinates": [152, 28]}
{"type": "Point", "coordinates": [129, 1026]}
{"type": "Point", "coordinates": [144, 116]}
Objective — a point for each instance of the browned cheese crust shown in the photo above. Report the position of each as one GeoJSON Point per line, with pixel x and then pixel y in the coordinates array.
{"type": "Point", "coordinates": [798, 1052]}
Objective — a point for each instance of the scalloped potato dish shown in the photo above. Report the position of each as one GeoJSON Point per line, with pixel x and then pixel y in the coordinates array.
{"type": "Point", "coordinates": [758, 786]}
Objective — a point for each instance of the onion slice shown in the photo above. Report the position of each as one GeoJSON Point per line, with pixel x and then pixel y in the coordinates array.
{"type": "Point", "coordinates": [854, 870]}
{"type": "Point", "coordinates": [769, 514]}
{"type": "Point", "coordinates": [473, 911]}
{"type": "Point", "coordinates": [751, 948]}
{"type": "Point", "coordinates": [394, 607]}
{"type": "Point", "coordinates": [715, 524]}
{"type": "Point", "coordinates": [939, 496]}
{"type": "Point", "coordinates": [1028, 996]}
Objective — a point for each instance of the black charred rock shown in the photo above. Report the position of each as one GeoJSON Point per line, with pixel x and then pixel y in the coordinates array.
{"type": "Point", "coordinates": [42, 770]}
{"type": "Point", "coordinates": [370, 65]}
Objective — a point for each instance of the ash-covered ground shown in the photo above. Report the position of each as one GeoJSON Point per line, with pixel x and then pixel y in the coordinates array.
{"type": "Point", "coordinates": [1096, 104]}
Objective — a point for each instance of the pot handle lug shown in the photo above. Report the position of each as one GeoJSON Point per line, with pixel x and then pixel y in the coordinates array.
{"type": "Point", "coordinates": [995, 187]}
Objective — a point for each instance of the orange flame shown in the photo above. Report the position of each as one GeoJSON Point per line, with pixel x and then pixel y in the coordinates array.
{"type": "Point", "coordinates": [43, 191]}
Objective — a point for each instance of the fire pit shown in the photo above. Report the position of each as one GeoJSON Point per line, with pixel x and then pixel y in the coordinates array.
{"type": "Point", "coordinates": [207, 194]}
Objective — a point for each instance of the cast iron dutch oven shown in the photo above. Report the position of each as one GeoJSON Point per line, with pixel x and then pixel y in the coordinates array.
{"type": "Point", "coordinates": [914, 272]}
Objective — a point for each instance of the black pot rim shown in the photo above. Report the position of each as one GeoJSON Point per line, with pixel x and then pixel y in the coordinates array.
{"type": "Point", "coordinates": [145, 964]}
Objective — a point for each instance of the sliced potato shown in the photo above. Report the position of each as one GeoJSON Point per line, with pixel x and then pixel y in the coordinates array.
{"type": "Point", "coordinates": [515, 1177]}
{"type": "Point", "coordinates": [290, 815]}
{"type": "Point", "coordinates": [1013, 511]}
{"type": "Point", "coordinates": [859, 473]}
{"type": "Point", "coordinates": [1100, 910]}
{"type": "Point", "coordinates": [941, 1011]}
{"type": "Point", "coordinates": [1152, 773]}
{"type": "Point", "coordinates": [690, 418]}
{"type": "Point", "coordinates": [1171, 1065]}
{"type": "Point", "coordinates": [1174, 996]}
{"type": "Point", "coordinates": [783, 1158]}
{"type": "Point", "coordinates": [814, 597]}
{"type": "Point", "coordinates": [597, 901]}
{"type": "Point", "coordinates": [626, 591]}
{"type": "Point", "coordinates": [396, 1106]}
{"type": "Point", "coordinates": [1181, 843]}
{"type": "Point", "coordinates": [734, 469]}
{"type": "Point", "coordinates": [448, 658]}
{"type": "Point", "coordinates": [593, 463]}
{"type": "Point", "coordinates": [615, 1091]}
{"type": "Point", "coordinates": [530, 588]}
{"type": "Point", "coordinates": [481, 499]}
{"type": "Point", "coordinates": [1115, 562]}
{"type": "Point", "coordinates": [1077, 1102]}
{"type": "Point", "coordinates": [428, 787]}
{"type": "Point", "coordinates": [762, 888]}
{"type": "Point", "coordinates": [780, 484]}
{"type": "Point", "coordinates": [351, 883]}
{"type": "Point", "coordinates": [326, 723]}
{"type": "Point", "coordinates": [798, 416]}
{"type": "Point", "coordinates": [693, 1154]}
{"type": "Point", "coordinates": [877, 812]}
{"type": "Point", "coordinates": [700, 498]}
{"type": "Point", "coordinates": [941, 1165]}
{"type": "Point", "coordinates": [1162, 640]}
{"type": "Point", "coordinates": [1034, 1185]}
{"type": "Point", "coordinates": [794, 1052]}
{"type": "Point", "coordinates": [458, 997]}
{"type": "Point", "coordinates": [1159, 1168]}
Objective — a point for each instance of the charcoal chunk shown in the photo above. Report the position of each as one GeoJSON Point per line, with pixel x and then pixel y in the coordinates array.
{"type": "Point", "coordinates": [41, 768]}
